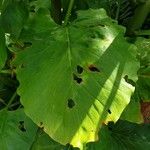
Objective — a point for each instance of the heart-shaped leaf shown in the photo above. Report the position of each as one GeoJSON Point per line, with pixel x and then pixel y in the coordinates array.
{"type": "Point", "coordinates": [72, 78]}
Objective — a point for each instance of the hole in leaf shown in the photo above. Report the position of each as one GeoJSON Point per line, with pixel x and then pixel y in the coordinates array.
{"type": "Point", "coordinates": [110, 125]}
{"type": "Point", "coordinates": [102, 25]}
{"type": "Point", "coordinates": [41, 123]}
{"type": "Point", "coordinates": [71, 103]}
{"type": "Point", "coordinates": [32, 9]}
{"type": "Point", "coordinates": [93, 68]}
{"type": "Point", "coordinates": [126, 78]}
{"type": "Point", "coordinates": [27, 44]}
{"type": "Point", "coordinates": [21, 126]}
{"type": "Point", "coordinates": [79, 69]}
{"type": "Point", "coordinates": [129, 80]}
{"type": "Point", "coordinates": [77, 79]}
{"type": "Point", "coordinates": [109, 111]}
{"type": "Point", "coordinates": [22, 66]}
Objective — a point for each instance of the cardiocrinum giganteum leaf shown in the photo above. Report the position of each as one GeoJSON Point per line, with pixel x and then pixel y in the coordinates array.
{"type": "Point", "coordinates": [72, 78]}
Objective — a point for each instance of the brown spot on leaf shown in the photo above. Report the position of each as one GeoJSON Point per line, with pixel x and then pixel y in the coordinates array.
{"type": "Point", "coordinates": [93, 68]}
{"type": "Point", "coordinates": [145, 110]}
{"type": "Point", "coordinates": [41, 125]}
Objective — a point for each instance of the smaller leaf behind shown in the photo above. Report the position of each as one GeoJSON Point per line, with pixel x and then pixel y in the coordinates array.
{"type": "Point", "coordinates": [132, 112]}
{"type": "Point", "coordinates": [14, 15]}
{"type": "Point", "coordinates": [17, 129]}
{"type": "Point", "coordinates": [122, 136]}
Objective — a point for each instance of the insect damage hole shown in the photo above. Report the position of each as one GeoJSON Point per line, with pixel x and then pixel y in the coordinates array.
{"type": "Point", "coordinates": [93, 68]}
{"type": "Point", "coordinates": [41, 125]}
{"type": "Point", "coordinates": [32, 9]}
{"type": "Point", "coordinates": [71, 103]}
{"type": "Point", "coordinates": [109, 111]}
{"type": "Point", "coordinates": [27, 44]}
{"type": "Point", "coordinates": [77, 79]}
{"type": "Point", "coordinates": [79, 69]}
{"type": "Point", "coordinates": [21, 126]}
{"type": "Point", "coordinates": [126, 78]}
{"type": "Point", "coordinates": [22, 66]}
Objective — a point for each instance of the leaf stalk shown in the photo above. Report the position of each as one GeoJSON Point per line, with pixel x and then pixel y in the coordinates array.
{"type": "Point", "coordinates": [68, 12]}
{"type": "Point", "coordinates": [11, 100]}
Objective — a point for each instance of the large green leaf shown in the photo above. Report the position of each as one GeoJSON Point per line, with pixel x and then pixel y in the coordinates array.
{"type": "Point", "coordinates": [123, 136]}
{"type": "Point", "coordinates": [3, 53]}
{"type": "Point", "coordinates": [72, 78]}
{"type": "Point", "coordinates": [17, 131]}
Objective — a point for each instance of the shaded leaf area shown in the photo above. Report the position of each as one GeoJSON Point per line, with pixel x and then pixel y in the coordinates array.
{"type": "Point", "coordinates": [13, 16]}
{"type": "Point", "coordinates": [122, 136]}
{"type": "Point", "coordinates": [17, 131]}
{"type": "Point", "coordinates": [8, 86]}
{"type": "Point", "coordinates": [143, 84]}
{"type": "Point", "coordinates": [133, 112]}
{"type": "Point", "coordinates": [50, 76]}
{"type": "Point", "coordinates": [44, 142]}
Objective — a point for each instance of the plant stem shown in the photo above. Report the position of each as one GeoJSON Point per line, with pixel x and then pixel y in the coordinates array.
{"type": "Point", "coordinates": [56, 11]}
{"type": "Point", "coordinates": [3, 102]}
{"type": "Point", "coordinates": [117, 12]}
{"type": "Point", "coordinates": [11, 100]}
{"type": "Point", "coordinates": [142, 32]}
{"type": "Point", "coordinates": [68, 12]}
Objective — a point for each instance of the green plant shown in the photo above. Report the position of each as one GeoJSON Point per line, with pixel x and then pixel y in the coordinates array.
{"type": "Point", "coordinates": [73, 74]}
